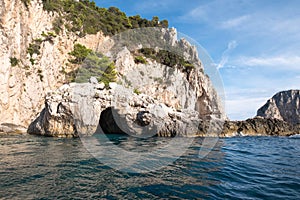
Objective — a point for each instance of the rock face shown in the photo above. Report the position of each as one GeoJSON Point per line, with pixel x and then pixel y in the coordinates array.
{"type": "Point", "coordinates": [23, 87]}
{"type": "Point", "coordinates": [259, 126]}
{"type": "Point", "coordinates": [169, 101]}
{"type": "Point", "coordinates": [284, 106]}
{"type": "Point", "coordinates": [84, 109]}
{"type": "Point", "coordinates": [182, 98]}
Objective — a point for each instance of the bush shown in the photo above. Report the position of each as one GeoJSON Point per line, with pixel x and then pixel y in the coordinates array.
{"type": "Point", "coordinates": [79, 53]}
{"type": "Point", "coordinates": [95, 65]}
{"type": "Point", "coordinates": [32, 61]}
{"type": "Point", "coordinates": [14, 61]}
{"type": "Point", "coordinates": [136, 91]}
{"type": "Point", "coordinates": [167, 58]}
{"type": "Point", "coordinates": [34, 47]}
{"type": "Point", "coordinates": [140, 59]}
{"type": "Point", "coordinates": [26, 2]}
{"type": "Point", "coordinates": [86, 18]}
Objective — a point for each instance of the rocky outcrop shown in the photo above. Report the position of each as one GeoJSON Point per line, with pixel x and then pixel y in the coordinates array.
{"type": "Point", "coordinates": [284, 106]}
{"type": "Point", "coordinates": [259, 126]}
{"type": "Point", "coordinates": [84, 109]}
{"type": "Point", "coordinates": [280, 116]}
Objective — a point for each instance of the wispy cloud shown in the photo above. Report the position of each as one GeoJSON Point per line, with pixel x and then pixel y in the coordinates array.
{"type": "Point", "coordinates": [224, 59]}
{"type": "Point", "coordinates": [196, 15]}
{"type": "Point", "coordinates": [287, 62]}
{"type": "Point", "coordinates": [235, 22]}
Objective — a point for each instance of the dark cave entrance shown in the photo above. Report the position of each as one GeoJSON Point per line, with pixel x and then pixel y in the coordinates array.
{"type": "Point", "coordinates": [110, 122]}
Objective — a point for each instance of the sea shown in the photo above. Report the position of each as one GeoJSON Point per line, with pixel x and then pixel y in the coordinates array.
{"type": "Point", "coordinates": [33, 167]}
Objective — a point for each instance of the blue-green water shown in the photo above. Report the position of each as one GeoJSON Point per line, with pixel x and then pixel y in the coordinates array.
{"type": "Point", "coordinates": [237, 168]}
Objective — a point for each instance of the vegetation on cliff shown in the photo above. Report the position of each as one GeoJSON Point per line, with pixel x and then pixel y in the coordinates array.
{"type": "Point", "coordinates": [92, 64]}
{"type": "Point", "coordinates": [84, 17]}
{"type": "Point", "coordinates": [167, 58]}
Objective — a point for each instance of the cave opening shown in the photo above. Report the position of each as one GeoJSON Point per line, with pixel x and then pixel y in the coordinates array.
{"type": "Point", "coordinates": [110, 123]}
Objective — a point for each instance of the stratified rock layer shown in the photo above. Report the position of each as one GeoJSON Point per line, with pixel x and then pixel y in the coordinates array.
{"type": "Point", "coordinates": [284, 106]}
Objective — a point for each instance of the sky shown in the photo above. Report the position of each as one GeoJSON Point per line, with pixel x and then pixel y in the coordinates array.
{"type": "Point", "coordinates": [254, 44]}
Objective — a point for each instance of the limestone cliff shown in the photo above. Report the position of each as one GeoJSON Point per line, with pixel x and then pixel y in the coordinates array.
{"type": "Point", "coordinates": [284, 105]}
{"type": "Point", "coordinates": [149, 98]}
{"type": "Point", "coordinates": [25, 78]}
{"type": "Point", "coordinates": [34, 61]}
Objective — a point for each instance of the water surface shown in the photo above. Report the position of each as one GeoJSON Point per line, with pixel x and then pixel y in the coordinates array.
{"type": "Point", "coordinates": [237, 168]}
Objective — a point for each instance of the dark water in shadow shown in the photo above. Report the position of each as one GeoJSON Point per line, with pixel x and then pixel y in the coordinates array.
{"type": "Point", "coordinates": [237, 168]}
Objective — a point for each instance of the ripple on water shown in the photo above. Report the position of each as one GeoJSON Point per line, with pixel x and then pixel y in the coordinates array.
{"type": "Point", "coordinates": [236, 168]}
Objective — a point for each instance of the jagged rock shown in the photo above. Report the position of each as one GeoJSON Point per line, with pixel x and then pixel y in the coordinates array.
{"type": "Point", "coordinates": [280, 116]}
{"type": "Point", "coordinates": [283, 105]}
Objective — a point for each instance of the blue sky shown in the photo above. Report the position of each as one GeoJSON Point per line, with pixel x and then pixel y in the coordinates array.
{"type": "Point", "coordinates": [255, 44]}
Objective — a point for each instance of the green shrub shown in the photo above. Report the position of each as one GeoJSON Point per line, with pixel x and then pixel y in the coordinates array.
{"type": "Point", "coordinates": [48, 36]}
{"type": "Point", "coordinates": [34, 47]}
{"type": "Point", "coordinates": [26, 2]}
{"type": "Point", "coordinates": [14, 61]}
{"type": "Point", "coordinates": [136, 91]}
{"type": "Point", "coordinates": [140, 59]}
{"type": "Point", "coordinates": [32, 61]}
{"type": "Point", "coordinates": [80, 52]}
{"type": "Point", "coordinates": [95, 65]}
{"type": "Point", "coordinates": [86, 18]}
{"type": "Point", "coordinates": [168, 58]}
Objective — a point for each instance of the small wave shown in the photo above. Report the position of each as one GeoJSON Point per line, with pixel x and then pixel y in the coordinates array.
{"type": "Point", "coordinates": [297, 136]}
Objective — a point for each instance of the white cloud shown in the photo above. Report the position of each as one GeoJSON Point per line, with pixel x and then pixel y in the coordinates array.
{"type": "Point", "coordinates": [196, 15]}
{"type": "Point", "coordinates": [235, 22]}
{"type": "Point", "coordinates": [240, 109]}
{"type": "Point", "coordinates": [225, 55]}
{"type": "Point", "coordinates": [286, 62]}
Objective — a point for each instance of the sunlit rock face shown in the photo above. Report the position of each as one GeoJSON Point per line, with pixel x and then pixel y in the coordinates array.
{"type": "Point", "coordinates": [33, 91]}
{"type": "Point", "coordinates": [283, 105]}
{"type": "Point", "coordinates": [23, 87]}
